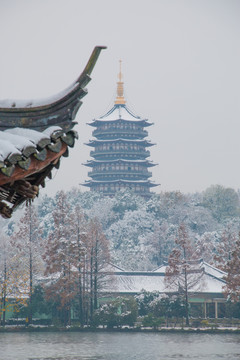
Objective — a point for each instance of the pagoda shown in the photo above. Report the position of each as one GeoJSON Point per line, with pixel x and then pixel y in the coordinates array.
{"type": "Point", "coordinates": [120, 150]}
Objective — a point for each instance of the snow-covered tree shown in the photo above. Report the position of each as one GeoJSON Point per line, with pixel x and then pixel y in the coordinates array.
{"type": "Point", "coordinates": [130, 240]}
{"type": "Point", "coordinates": [125, 200]}
{"type": "Point", "coordinates": [28, 241]}
{"type": "Point", "coordinates": [12, 282]}
{"type": "Point", "coordinates": [223, 202]}
{"type": "Point", "coordinates": [206, 246]}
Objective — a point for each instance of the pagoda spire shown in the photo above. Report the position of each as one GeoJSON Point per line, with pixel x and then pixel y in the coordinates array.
{"type": "Point", "coordinates": [120, 97]}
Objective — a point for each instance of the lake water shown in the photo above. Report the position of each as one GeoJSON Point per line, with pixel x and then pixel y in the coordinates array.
{"type": "Point", "coordinates": [118, 346]}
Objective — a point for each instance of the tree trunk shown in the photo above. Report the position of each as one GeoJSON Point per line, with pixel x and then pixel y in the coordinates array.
{"type": "Point", "coordinates": [4, 293]}
{"type": "Point", "coordinates": [30, 269]}
{"type": "Point", "coordinates": [80, 291]}
{"type": "Point", "coordinates": [186, 287]}
{"type": "Point", "coordinates": [186, 297]}
{"type": "Point", "coordinates": [91, 285]}
{"type": "Point", "coordinates": [96, 277]}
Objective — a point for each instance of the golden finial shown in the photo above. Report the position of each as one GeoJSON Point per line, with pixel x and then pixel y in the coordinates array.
{"type": "Point", "coordinates": [120, 98]}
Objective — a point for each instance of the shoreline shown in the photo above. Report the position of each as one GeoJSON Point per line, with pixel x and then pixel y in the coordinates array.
{"type": "Point", "coordinates": [187, 330]}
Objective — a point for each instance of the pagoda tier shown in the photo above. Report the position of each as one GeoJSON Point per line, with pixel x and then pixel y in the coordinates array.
{"type": "Point", "coordinates": [120, 155]}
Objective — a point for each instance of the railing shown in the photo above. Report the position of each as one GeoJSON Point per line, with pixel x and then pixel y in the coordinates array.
{"type": "Point", "coordinates": [113, 153]}
{"type": "Point", "coordinates": [129, 132]}
{"type": "Point", "coordinates": [109, 172]}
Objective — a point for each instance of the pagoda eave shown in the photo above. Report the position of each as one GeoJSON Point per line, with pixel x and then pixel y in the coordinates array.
{"type": "Point", "coordinates": [91, 183]}
{"type": "Point", "coordinates": [145, 162]}
{"type": "Point", "coordinates": [98, 122]}
{"type": "Point", "coordinates": [144, 142]}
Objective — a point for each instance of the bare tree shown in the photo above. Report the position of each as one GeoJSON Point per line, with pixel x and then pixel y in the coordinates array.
{"type": "Point", "coordinates": [223, 252]}
{"type": "Point", "coordinates": [28, 242]}
{"type": "Point", "coordinates": [183, 272]}
{"type": "Point", "coordinates": [233, 272]}
{"type": "Point", "coordinates": [59, 258]}
{"type": "Point", "coordinates": [98, 257]}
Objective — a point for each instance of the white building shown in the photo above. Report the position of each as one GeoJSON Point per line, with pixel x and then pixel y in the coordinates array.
{"type": "Point", "coordinates": [206, 298]}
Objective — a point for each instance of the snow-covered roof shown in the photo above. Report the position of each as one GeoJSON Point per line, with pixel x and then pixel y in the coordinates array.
{"type": "Point", "coordinates": [20, 142]}
{"type": "Point", "coordinates": [120, 112]}
{"type": "Point", "coordinates": [16, 140]}
{"type": "Point", "coordinates": [160, 269]}
{"type": "Point", "coordinates": [27, 156]}
{"type": "Point", "coordinates": [60, 109]}
{"type": "Point", "coordinates": [80, 83]}
{"type": "Point", "coordinates": [211, 270]}
{"type": "Point", "coordinates": [135, 282]}
{"type": "Point", "coordinates": [8, 103]}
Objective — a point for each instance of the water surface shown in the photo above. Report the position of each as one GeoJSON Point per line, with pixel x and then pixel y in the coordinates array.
{"type": "Point", "coordinates": [118, 346]}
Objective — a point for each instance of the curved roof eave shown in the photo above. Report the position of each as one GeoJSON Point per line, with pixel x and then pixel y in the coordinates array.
{"type": "Point", "coordinates": [120, 112]}
{"type": "Point", "coordinates": [60, 109]}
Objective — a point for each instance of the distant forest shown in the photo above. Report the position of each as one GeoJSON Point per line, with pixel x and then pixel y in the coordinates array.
{"type": "Point", "coordinates": [140, 232]}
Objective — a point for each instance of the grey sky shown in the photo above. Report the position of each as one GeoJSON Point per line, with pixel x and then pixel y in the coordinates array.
{"type": "Point", "coordinates": [181, 70]}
